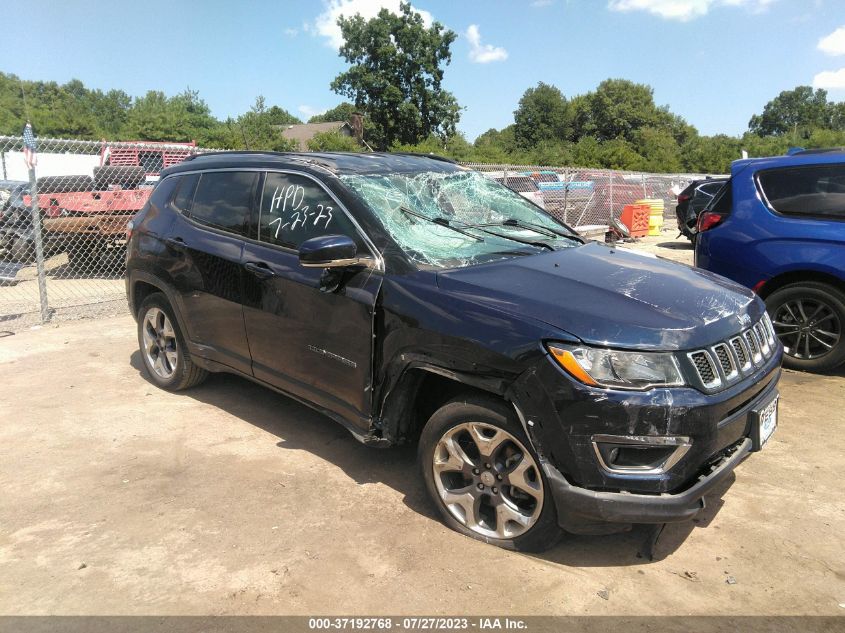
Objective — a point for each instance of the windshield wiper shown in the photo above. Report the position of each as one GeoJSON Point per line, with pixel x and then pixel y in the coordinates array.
{"type": "Point", "coordinates": [540, 228]}
{"type": "Point", "coordinates": [512, 238]}
{"type": "Point", "coordinates": [440, 222]}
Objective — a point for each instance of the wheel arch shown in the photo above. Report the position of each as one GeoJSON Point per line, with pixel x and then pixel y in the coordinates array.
{"type": "Point", "coordinates": [798, 276]}
{"type": "Point", "coordinates": [424, 388]}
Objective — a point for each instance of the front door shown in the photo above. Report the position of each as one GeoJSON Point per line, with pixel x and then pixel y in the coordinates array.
{"type": "Point", "coordinates": [310, 330]}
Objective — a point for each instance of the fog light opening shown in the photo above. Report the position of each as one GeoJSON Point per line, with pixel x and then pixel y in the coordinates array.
{"type": "Point", "coordinates": [642, 455]}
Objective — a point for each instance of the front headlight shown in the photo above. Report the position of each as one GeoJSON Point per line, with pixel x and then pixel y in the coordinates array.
{"type": "Point", "coordinates": [616, 369]}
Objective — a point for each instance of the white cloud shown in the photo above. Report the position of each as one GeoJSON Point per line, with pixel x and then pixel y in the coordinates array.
{"type": "Point", "coordinates": [483, 53]}
{"type": "Point", "coordinates": [541, 3]}
{"type": "Point", "coordinates": [833, 44]}
{"type": "Point", "coordinates": [291, 32]}
{"type": "Point", "coordinates": [326, 23]}
{"type": "Point", "coordinates": [830, 80]}
{"type": "Point", "coordinates": [683, 10]}
{"type": "Point", "coordinates": [307, 111]}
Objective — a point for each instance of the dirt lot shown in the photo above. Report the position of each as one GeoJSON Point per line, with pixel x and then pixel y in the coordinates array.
{"type": "Point", "coordinates": [119, 498]}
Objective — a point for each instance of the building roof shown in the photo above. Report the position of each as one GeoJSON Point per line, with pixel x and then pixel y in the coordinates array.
{"type": "Point", "coordinates": [304, 132]}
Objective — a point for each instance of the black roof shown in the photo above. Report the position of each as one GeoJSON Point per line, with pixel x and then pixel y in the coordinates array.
{"type": "Point", "coordinates": [336, 162]}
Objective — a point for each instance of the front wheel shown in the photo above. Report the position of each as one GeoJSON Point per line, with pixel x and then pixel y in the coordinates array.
{"type": "Point", "coordinates": [485, 480]}
{"type": "Point", "coordinates": [808, 318]}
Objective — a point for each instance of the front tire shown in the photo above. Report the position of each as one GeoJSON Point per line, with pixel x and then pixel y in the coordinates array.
{"type": "Point", "coordinates": [163, 348]}
{"type": "Point", "coordinates": [484, 477]}
{"type": "Point", "coordinates": [809, 318]}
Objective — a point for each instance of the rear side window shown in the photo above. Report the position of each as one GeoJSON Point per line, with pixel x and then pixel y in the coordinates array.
{"type": "Point", "coordinates": [185, 193]}
{"type": "Point", "coordinates": [723, 201]}
{"type": "Point", "coordinates": [295, 208]}
{"type": "Point", "coordinates": [817, 190]}
{"type": "Point", "coordinates": [711, 188]}
{"type": "Point", "coordinates": [223, 200]}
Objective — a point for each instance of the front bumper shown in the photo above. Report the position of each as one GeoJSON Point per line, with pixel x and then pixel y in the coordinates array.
{"type": "Point", "coordinates": [579, 509]}
{"type": "Point", "coordinates": [590, 498]}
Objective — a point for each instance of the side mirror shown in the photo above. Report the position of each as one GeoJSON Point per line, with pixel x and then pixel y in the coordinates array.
{"type": "Point", "coordinates": [328, 251]}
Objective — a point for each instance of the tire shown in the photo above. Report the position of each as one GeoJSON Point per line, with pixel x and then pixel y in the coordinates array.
{"type": "Point", "coordinates": [125, 177]}
{"type": "Point", "coordinates": [64, 184]}
{"type": "Point", "coordinates": [464, 467]}
{"type": "Point", "coordinates": [809, 319]}
{"type": "Point", "coordinates": [22, 251]}
{"type": "Point", "coordinates": [179, 371]}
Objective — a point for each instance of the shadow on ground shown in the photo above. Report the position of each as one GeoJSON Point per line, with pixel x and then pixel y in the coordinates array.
{"type": "Point", "coordinates": [300, 428]}
{"type": "Point", "coordinates": [677, 245]}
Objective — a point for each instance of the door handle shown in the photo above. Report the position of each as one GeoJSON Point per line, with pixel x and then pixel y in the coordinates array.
{"type": "Point", "coordinates": [260, 270]}
{"type": "Point", "coordinates": [176, 243]}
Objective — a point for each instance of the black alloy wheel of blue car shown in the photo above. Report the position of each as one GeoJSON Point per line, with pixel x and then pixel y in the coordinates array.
{"type": "Point", "coordinates": [808, 318]}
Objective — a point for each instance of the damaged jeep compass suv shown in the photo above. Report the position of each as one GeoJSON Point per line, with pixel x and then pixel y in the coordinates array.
{"type": "Point", "coordinates": [549, 382]}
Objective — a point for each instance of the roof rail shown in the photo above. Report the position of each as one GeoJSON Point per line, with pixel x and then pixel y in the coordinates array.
{"type": "Point", "coordinates": [423, 155]}
{"type": "Point", "coordinates": [824, 150]}
{"type": "Point", "coordinates": [230, 152]}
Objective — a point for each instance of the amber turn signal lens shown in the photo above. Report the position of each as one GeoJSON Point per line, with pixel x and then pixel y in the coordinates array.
{"type": "Point", "coordinates": [566, 360]}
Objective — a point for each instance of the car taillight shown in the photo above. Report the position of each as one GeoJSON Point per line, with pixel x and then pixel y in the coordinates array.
{"type": "Point", "coordinates": [129, 227]}
{"type": "Point", "coordinates": [708, 220]}
{"type": "Point", "coordinates": [682, 198]}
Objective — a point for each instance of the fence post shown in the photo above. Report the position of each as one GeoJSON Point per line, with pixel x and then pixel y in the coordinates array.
{"type": "Point", "coordinates": [610, 219]}
{"type": "Point", "coordinates": [39, 246]}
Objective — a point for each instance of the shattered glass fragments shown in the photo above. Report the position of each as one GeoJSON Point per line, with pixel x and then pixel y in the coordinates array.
{"type": "Point", "coordinates": [465, 200]}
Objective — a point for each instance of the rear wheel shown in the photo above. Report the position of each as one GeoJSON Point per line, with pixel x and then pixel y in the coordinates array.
{"type": "Point", "coordinates": [809, 318]}
{"type": "Point", "coordinates": [163, 348]}
{"type": "Point", "coordinates": [485, 480]}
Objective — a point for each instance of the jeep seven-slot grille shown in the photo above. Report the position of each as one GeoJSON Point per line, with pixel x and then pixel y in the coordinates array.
{"type": "Point", "coordinates": [704, 367]}
{"type": "Point", "coordinates": [725, 360]}
{"type": "Point", "coordinates": [739, 350]}
{"type": "Point", "coordinates": [728, 360]}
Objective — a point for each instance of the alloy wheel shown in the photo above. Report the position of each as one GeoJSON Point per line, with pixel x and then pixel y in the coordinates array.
{"type": "Point", "coordinates": [808, 328]}
{"type": "Point", "coordinates": [488, 480]}
{"type": "Point", "coordinates": [160, 347]}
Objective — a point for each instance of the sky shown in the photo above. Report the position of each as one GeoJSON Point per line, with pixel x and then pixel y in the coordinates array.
{"type": "Point", "coordinates": [714, 62]}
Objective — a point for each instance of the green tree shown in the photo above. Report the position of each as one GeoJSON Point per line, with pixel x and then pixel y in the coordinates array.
{"type": "Point", "coordinates": [710, 154]}
{"type": "Point", "coordinates": [333, 142]}
{"type": "Point", "coordinates": [659, 149]}
{"type": "Point", "coordinates": [341, 112]}
{"type": "Point", "coordinates": [396, 76]}
{"type": "Point", "coordinates": [542, 115]}
{"type": "Point", "coordinates": [618, 108]}
{"type": "Point", "coordinates": [794, 112]}
{"type": "Point", "coordinates": [257, 130]}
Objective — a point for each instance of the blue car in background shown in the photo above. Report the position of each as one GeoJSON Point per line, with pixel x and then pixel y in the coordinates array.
{"type": "Point", "coordinates": [778, 227]}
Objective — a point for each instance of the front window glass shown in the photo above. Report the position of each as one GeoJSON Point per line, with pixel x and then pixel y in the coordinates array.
{"type": "Point", "coordinates": [295, 208]}
{"type": "Point", "coordinates": [456, 219]}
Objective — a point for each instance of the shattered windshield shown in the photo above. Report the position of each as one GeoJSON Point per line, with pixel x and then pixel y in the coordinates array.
{"type": "Point", "coordinates": [457, 219]}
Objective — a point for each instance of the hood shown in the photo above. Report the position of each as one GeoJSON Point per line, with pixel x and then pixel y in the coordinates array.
{"type": "Point", "coordinates": [613, 297]}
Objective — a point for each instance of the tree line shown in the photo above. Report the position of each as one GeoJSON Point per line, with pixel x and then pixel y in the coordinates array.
{"type": "Point", "coordinates": [394, 78]}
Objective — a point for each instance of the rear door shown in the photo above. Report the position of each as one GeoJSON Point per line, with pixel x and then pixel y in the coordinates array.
{"type": "Point", "coordinates": [206, 243]}
{"type": "Point", "coordinates": [310, 330]}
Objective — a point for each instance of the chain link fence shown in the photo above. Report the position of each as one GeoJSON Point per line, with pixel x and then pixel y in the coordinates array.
{"type": "Point", "coordinates": [63, 219]}
{"type": "Point", "coordinates": [588, 197]}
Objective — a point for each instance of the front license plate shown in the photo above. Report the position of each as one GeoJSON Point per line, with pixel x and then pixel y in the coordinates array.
{"type": "Point", "coordinates": [767, 421]}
